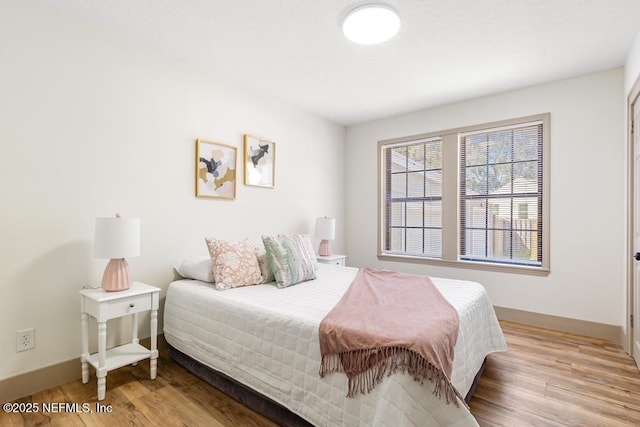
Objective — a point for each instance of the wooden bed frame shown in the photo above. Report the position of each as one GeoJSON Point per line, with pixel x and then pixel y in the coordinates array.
{"type": "Point", "coordinates": [254, 400]}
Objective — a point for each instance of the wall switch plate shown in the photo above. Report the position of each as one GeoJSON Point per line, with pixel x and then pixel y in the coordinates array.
{"type": "Point", "coordinates": [25, 339]}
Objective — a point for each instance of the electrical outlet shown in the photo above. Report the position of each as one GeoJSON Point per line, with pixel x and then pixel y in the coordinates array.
{"type": "Point", "coordinates": [25, 339]}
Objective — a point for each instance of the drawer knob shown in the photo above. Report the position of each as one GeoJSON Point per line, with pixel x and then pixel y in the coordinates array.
{"type": "Point", "coordinates": [132, 305]}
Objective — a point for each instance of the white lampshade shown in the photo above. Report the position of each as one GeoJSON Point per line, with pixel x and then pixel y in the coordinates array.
{"type": "Point", "coordinates": [117, 237]}
{"type": "Point", "coordinates": [326, 228]}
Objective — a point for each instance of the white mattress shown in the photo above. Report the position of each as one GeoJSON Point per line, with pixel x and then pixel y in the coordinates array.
{"type": "Point", "coordinates": [267, 338]}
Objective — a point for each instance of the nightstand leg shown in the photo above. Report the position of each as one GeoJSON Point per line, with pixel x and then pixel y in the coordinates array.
{"type": "Point", "coordinates": [85, 348]}
{"type": "Point", "coordinates": [134, 332]}
{"type": "Point", "coordinates": [153, 364]}
{"type": "Point", "coordinates": [101, 372]}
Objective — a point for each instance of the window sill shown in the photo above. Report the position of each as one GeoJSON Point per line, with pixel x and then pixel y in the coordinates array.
{"type": "Point", "coordinates": [471, 265]}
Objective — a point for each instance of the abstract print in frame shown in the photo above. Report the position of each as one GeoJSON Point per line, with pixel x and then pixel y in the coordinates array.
{"type": "Point", "coordinates": [259, 161]}
{"type": "Point", "coordinates": [215, 170]}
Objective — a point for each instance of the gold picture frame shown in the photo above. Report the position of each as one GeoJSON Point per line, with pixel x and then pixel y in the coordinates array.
{"type": "Point", "coordinates": [216, 166]}
{"type": "Point", "coordinates": [259, 162]}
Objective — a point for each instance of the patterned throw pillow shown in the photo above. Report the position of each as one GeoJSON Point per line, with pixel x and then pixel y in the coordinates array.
{"type": "Point", "coordinates": [234, 264]}
{"type": "Point", "coordinates": [292, 258]}
{"type": "Point", "coordinates": [263, 263]}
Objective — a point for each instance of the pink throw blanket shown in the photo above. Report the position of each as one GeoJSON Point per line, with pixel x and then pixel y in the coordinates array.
{"type": "Point", "coordinates": [386, 322]}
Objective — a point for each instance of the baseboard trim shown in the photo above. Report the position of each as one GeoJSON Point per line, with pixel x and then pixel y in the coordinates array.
{"type": "Point", "coordinates": [41, 379]}
{"type": "Point", "coordinates": [45, 378]}
{"type": "Point", "coordinates": [563, 324]}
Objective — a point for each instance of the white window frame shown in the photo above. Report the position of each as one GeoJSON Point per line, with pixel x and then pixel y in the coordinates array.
{"type": "Point", "coordinates": [451, 255]}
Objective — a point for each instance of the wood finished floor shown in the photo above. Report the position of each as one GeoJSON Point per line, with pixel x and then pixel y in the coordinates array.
{"type": "Point", "coordinates": [546, 378]}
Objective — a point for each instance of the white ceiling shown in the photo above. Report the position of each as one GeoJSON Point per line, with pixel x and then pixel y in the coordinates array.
{"type": "Point", "coordinates": [445, 51]}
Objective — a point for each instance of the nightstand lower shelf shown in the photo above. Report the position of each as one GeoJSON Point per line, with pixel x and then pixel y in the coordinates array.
{"type": "Point", "coordinates": [120, 356]}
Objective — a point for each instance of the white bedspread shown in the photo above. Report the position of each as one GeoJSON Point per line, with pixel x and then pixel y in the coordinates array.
{"type": "Point", "coordinates": [267, 338]}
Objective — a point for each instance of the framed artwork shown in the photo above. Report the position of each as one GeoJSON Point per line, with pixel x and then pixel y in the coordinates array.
{"type": "Point", "coordinates": [259, 162]}
{"type": "Point", "coordinates": [215, 170]}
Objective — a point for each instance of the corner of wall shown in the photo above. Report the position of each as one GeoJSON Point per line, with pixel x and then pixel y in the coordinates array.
{"type": "Point", "coordinates": [632, 65]}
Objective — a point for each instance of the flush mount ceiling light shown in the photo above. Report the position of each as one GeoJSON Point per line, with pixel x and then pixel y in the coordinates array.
{"type": "Point", "coordinates": [371, 24]}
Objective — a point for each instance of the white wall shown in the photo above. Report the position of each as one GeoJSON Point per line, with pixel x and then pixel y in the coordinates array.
{"type": "Point", "coordinates": [92, 124]}
{"type": "Point", "coordinates": [587, 204]}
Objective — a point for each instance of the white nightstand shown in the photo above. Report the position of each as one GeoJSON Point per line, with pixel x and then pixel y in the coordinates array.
{"type": "Point", "coordinates": [332, 259]}
{"type": "Point", "coordinates": [103, 306]}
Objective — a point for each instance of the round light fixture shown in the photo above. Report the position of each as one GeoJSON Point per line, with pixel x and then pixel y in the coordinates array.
{"type": "Point", "coordinates": [371, 24]}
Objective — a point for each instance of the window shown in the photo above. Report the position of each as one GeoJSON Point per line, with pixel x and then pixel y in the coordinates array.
{"type": "Point", "coordinates": [475, 196]}
{"type": "Point", "coordinates": [500, 178]}
{"type": "Point", "coordinates": [414, 198]}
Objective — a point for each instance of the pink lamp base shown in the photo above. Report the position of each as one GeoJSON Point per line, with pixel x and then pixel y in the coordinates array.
{"type": "Point", "coordinates": [116, 276]}
{"type": "Point", "coordinates": [325, 248]}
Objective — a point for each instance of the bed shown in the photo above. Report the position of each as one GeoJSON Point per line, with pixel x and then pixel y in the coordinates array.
{"type": "Point", "coordinates": [264, 339]}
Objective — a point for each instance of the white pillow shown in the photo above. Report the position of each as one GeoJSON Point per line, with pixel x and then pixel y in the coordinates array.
{"type": "Point", "coordinates": [198, 268]}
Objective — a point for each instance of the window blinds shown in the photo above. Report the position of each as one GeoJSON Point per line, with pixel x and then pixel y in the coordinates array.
{"type": "Point", "coordinates": [501, 195]}
{"type": "Point", "coordinates": [413, 198]}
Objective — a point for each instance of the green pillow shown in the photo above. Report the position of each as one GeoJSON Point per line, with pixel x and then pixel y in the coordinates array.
{"type": "Point", "coordinates": [291, 258]}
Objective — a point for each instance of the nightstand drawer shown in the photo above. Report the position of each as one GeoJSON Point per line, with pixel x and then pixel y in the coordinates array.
{"type": "Point", "coordinates": [130, 305]}
{"type": "Point", "coordinates": [332, 259]}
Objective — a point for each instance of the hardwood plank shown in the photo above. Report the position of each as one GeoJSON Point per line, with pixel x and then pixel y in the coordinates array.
{"type": "Point", "coordinates": [587, 381]}
{"type": "Point", "coordinates": [169, 407]}
{"type": "Point", "coordinates": [491, 414]}
{"type": "Point", "coordinates": [124, 412]}
{"type": "Point", "coordinates": [228, 411]}
{"type": "Point", "coordinates": [598, 403]}
{"type": "Point", "coordinates": [546, 378]}
{"type": "Point", "coordinates": [531, 406]}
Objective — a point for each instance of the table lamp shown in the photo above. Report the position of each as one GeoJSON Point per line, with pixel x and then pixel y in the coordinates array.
{"type": "Point", "coordinates": [117, 238]}
{"type": "Point", "coordinates": [325, 230]}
